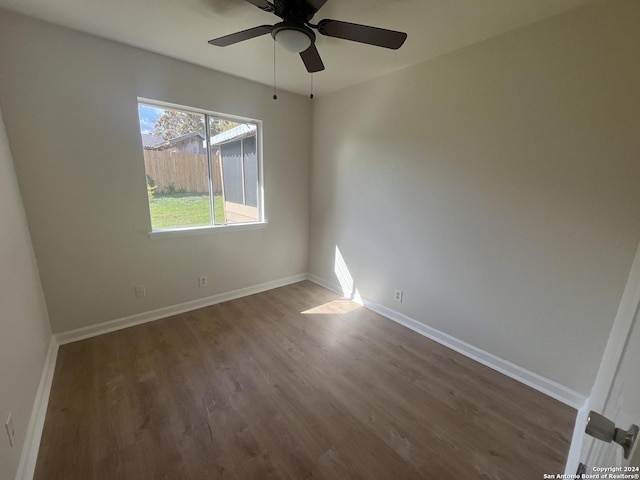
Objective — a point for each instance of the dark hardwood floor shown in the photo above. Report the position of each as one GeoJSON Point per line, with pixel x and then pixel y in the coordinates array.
{"type": "Point", "coordinates": [291, 383]}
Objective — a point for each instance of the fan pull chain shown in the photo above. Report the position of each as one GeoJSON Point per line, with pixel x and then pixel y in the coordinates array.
{"type": "Point", "coordinates": [311, 95]}
{"type": "Point", "coordinates": [275, 96]}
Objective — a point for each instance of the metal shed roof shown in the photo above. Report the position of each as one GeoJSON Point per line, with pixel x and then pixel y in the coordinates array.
{"type": "Point", "coordinates": [240, 131]}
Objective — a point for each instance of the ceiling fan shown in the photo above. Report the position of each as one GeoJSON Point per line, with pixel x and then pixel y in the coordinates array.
{"type": "Point", "coordinates": [295, 32]}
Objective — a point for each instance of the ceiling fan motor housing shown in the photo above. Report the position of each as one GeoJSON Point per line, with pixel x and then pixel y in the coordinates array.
{"type": "Point", "coordinates": [295, 10]}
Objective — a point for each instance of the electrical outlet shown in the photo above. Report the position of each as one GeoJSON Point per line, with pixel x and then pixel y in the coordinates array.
{"type": "Point", "coordinates": [202, 281]}
{"type": "Point", "coordinates": [141, 291]}
{"type": "Point", "coordinates": [11, 431]}
{"type": "Point", "coordinates": [397, 296]}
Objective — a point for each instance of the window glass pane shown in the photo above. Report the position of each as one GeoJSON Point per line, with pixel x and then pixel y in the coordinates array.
{"type": "Point", "coordinates": [217, 128]}
{"type": "Point", "coordinates": [176, 165]}
{"type": "Point", "coordinates": [235, 170]}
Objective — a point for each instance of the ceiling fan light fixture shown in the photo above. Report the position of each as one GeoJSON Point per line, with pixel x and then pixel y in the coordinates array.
{"type": "Point", "coordinates": [295, 40]}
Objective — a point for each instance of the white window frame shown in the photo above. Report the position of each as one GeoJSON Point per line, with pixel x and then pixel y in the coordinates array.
{"type": "Point", "coordinates": [205, 229]}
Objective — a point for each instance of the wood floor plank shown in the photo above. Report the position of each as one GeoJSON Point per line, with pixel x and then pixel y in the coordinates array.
{"type": "Point", "coordinates": [292, 383]}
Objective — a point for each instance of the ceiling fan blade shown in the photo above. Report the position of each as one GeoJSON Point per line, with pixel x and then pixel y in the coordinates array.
{"type": "Point", "coordinates": [263, 5]}
{"type": "Point", "coordinates": [241, 36]}
{"type": "Point", "coordinates": [312, 60]}
{"type": "Point", "coordinates": [316, 4]}
{"type": "Point", "coordinates": [355, 32]}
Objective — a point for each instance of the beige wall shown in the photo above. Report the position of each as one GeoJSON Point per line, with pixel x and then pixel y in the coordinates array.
{"type": "Point", "coordinates": [498, 186]}
{"type": "Point", "coordinates": [24, 325]}
{"type": "Point", "coordinates": [69, 101]}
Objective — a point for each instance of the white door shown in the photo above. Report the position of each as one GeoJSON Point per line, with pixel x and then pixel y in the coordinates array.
{"type": "Point", "coordinates": [616, 393]}
{"type": "Point", "coordinates": [622, 407]}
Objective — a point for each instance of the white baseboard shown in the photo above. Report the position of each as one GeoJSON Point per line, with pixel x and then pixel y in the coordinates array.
{"type": "Point", "coordinates": [538, 382]}
{"type": "Point", "coordinates": [27, 465]}
{"type": "Point", "coordinates": [130, 321]}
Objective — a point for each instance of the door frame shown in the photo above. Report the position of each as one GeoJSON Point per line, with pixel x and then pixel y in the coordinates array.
{"type": "Point", "coordinates": [597, 400]}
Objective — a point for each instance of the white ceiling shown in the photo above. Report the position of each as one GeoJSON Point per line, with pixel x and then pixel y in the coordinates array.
{"type": "Point", "coordinates": [181, 28]}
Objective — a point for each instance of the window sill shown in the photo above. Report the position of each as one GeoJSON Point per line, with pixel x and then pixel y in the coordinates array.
{"type": "Point", "coordinates": [192, 231]}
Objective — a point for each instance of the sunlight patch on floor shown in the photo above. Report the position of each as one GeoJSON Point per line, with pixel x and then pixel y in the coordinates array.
{"type": "Point", "coordinates": [334, 307]}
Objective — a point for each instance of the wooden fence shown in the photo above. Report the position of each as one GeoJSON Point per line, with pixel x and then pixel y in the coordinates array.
{"type": "Point", "coordinates": [181, 172]}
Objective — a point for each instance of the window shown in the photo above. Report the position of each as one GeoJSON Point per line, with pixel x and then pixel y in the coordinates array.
{"type": "Point", "coordinates": [202, 169]}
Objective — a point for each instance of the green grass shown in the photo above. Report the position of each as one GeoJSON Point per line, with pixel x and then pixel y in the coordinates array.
{"type": "Point", "coordinates": [184, 210]}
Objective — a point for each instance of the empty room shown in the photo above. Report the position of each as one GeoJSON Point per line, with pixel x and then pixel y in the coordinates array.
{"type": "Point", "coordinates": [251, 239]}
